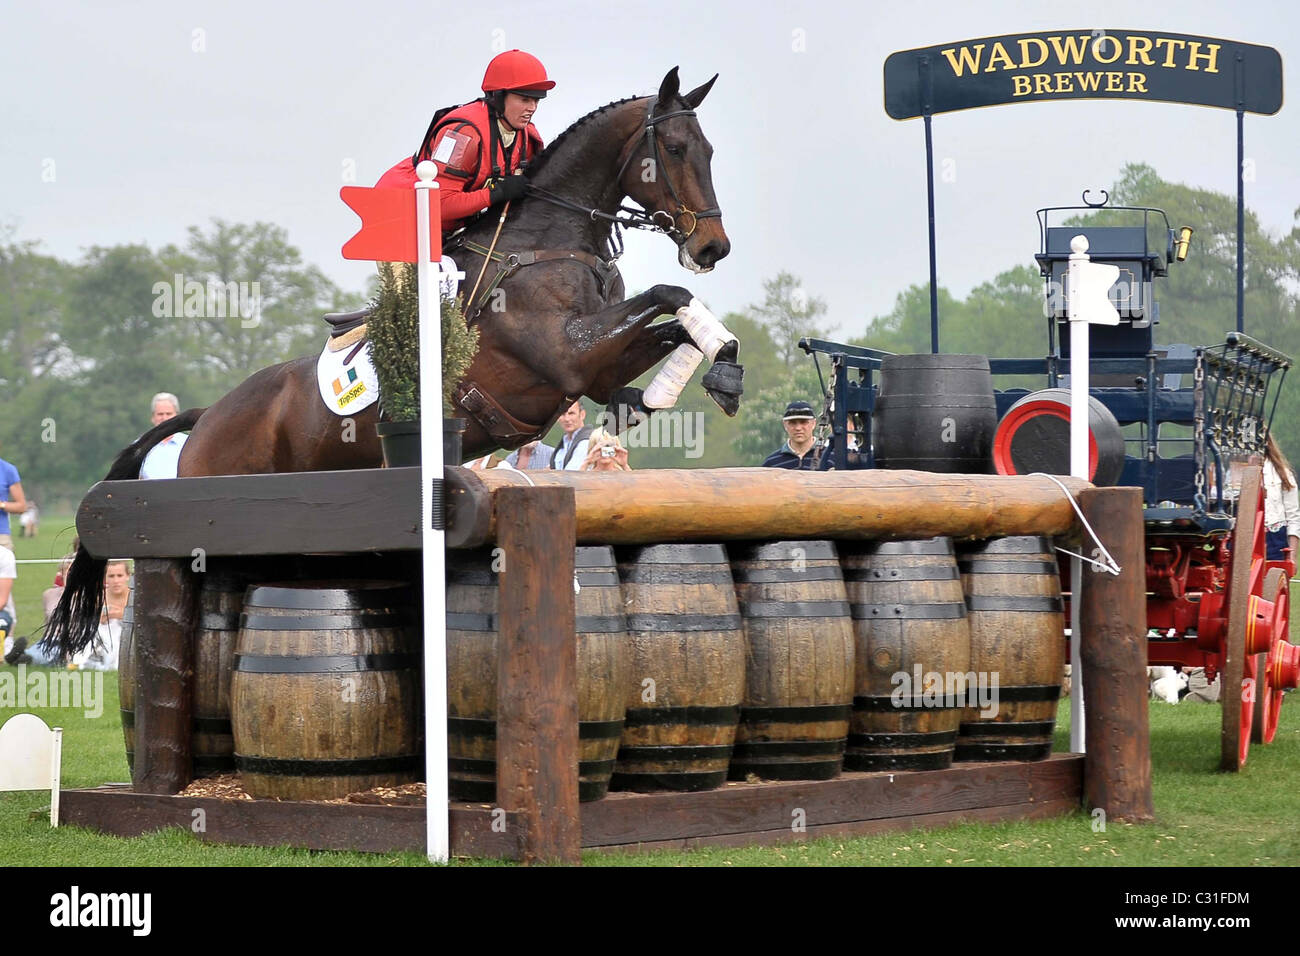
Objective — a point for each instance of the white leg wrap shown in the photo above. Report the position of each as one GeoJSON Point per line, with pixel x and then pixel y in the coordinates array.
{"type": "Point", "coordinates": [667, 385]}
{"type": "Point", "coordinates": [709, 334]}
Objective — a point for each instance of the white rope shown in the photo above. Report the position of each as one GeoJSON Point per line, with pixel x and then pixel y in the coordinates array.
{"type": "Point", "coordinates": [1109, 565]}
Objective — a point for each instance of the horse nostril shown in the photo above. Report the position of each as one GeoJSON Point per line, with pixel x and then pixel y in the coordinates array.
{"type": "Point", "coordinates": [713, 251]}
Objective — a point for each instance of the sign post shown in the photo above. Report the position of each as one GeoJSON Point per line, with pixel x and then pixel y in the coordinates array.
{"type": "Point", "coordinates": [394, 230]}
{"type": "Point", "coordinates": [1086, 299]}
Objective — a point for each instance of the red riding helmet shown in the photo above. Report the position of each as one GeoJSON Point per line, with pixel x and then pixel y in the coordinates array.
{"type": "Point", "coordinates": [518, 71]}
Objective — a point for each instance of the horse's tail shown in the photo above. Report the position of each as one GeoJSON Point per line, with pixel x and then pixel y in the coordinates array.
{"type": "Point", "coordinates": [74, 622]}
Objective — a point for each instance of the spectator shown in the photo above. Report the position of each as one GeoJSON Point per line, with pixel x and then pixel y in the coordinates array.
{"type": "Point", "coordinates": [800, 450]}
{"type": "Point", "coordinates": [12, 501]}
{"type": "Point", "coordinates": [102, 653]}
{"type": "Point", "coordinates": [534, 455]}
{"type": "Point", "coordinates": [163, 458]}
{"type": "Point", "coordinates": [30, 520]}
{"type": "Point", "coordinates": [8, 613]}
{"type": "Point", "coordinates": [605, 453]}
{"type": "Point", "coordinates": [1281, 504]}
{"type": "Point", "coordinates": [573, 446]}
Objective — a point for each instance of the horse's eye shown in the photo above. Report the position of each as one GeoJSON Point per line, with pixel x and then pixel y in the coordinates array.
{"type": "Point", "coordinates": [673, 150]}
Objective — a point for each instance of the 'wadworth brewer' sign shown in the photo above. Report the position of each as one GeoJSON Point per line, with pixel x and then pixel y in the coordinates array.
{"type": "Point", "coordinates": [1078, 64]}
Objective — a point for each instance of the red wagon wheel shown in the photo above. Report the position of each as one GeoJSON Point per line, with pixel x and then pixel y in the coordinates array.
{"type": "Point", "coordinates": [1246, 578]}
{"type": "Point", "coordinates": [1271, 667]}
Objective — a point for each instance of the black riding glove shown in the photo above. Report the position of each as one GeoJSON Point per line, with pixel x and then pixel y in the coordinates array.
{"type": "Point", "coordinates": [506, 189]}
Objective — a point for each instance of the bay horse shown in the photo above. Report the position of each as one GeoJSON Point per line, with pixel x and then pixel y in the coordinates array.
{"type": "Point", "coordinates": [555, 326]}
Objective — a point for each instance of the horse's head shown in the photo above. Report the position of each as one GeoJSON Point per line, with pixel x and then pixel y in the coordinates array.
{"type": "Point", "coordinates": [666, 170]}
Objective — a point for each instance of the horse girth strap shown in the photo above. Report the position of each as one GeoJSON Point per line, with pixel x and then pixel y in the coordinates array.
{"type": "Point", "coordinates": [512, 262]}
{"type": "Point", "coordinates": [503, 427]}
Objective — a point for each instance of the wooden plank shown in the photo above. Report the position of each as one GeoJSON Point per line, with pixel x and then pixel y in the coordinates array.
{"type": "Point", "coordinates": [1019, 811]}
{"type": "Point", "coordinates": [728, 504]}
{"type": "Point", "coordinates": [645, 821]}
{"type": "Point", "coordinates": [374, 509]}
{"type": "Point", "coordinates": [738, 808]}
{"type": "Point", "coordinates": [1113, 651]}
{"type": "Point", "coordinates": [163, 648]}
{"type": "Point", "coordinates": [537, 702]}
{"type": "Point", "coordinates": [313, 826]}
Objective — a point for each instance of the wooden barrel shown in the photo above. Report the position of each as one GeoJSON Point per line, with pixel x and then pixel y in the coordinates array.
{"type": "Point", "coordinates": [126, 681]}
{"type": "Point", "coordinates": [221, 599]}
{"type": "Point", "coordinates": [794, 719]}
{"type": "Point", "coordinates": [909, 620]}
{"type": "Point", "coordinates": [325, 695]}
{"type": "Point", "coordinates": [935, 413]}
{"type": "Point", "coordinates": [604, 662]}
{"type": "Point", "coordinates": [688, 668]}
{"type": "Point", "coordinates": [1034, 436]}
{"type": "Point", "coordinates": [1017, 631]}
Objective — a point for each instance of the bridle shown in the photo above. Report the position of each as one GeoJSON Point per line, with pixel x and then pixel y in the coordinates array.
{"type": "Point", "coordinates": [639, 218]}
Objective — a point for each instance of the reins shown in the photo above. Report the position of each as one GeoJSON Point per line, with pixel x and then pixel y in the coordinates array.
{"type": "Point", "coordinates": [638, 218]}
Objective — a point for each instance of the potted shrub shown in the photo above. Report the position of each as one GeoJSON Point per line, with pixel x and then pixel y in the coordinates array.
{"type": "Point", "coordinates": [394, 332]}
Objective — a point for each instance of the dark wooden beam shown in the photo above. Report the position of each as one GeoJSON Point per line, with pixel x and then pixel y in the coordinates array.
{"type": "Point", "coordinates": [537, 703]}
{"type": "Point", "coordinates": [1113, 651]}
{"type": "Point", "coordinates": [313, 826]}
{"type": "Point", "coordinates": [311, 512]}
{"type": "Point", "coordinates": [166, 600]}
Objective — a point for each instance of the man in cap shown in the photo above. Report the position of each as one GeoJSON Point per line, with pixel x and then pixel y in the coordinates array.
{"type": "Point", "coordinates": [799, 449]}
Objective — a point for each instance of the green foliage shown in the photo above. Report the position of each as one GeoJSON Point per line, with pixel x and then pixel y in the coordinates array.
{"type": "Point", "coordinates": [394, 333]}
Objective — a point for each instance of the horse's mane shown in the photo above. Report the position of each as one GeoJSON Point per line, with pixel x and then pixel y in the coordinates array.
{"type": "Point", "coordinates": [545, 156]}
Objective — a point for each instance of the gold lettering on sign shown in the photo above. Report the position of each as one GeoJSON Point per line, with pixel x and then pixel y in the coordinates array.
{"type": "Point", "coordinates": [1096, 49]}
{"type": "Point", "coordinates": [964, 60]}
{"type": "Point", "coordinates": [1211, 58]}
{"type": "Point", "coordinates": [1139, 46]}
{"type": "Point", "coordinates": [999, 55]}
{"type": "Point", "coordinates": [1074, 46]}
{"type": "Point", "coordinates": [1024, 53]}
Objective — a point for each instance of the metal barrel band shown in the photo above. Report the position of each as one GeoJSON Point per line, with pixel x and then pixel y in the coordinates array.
{"type": "Point", "coordinates": [800, 609]}
{"type": "Point", "coordinates": [323, 663]}
{"type": "Point", "coordinates": [913, 612]}
{"type": "Point", "coordinates": [695, 716]}
{"type": "Point", "coordinates": [934, 572]}
{"type": "Point", "coordinates": [795, 715]}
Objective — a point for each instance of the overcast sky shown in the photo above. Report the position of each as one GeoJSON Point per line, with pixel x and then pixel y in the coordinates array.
{"type": "Point", "coordinates": [150, 117]}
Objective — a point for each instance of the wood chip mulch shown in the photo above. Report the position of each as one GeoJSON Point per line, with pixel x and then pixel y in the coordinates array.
{"type": "Point", "coordinates": [227, 786]}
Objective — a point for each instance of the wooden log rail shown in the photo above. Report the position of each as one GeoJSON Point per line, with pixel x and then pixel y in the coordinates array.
{"type": "Point", "coordinates": [772, 504]}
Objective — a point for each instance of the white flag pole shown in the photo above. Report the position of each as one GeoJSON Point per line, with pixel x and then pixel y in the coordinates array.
{"type": "Point", "coordinates": [1079, 469]}
{"type": "Point", "coordinates": [437, 819]}
{"type": "Point", "coordinates": [1086, 301]}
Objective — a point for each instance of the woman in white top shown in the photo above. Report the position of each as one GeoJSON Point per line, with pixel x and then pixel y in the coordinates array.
{"type": "Point", "coordinates": [1281, 504]}
{"type": "Point", "coordinates": [101, 654]}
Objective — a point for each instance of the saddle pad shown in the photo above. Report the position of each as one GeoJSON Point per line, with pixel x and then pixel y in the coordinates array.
{"type": "Point", "coordinates": [347, 379]}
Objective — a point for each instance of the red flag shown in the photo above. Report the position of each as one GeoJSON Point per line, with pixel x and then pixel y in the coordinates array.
{"type": "Point", "coordinates": [388, 230]}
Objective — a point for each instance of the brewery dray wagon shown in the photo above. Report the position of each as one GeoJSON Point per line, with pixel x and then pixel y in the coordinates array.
{"type": "Point", "coordinates": [1188, 425]}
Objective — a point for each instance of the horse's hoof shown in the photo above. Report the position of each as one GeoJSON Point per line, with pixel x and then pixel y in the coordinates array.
{"type": "Point", "coordinates": [728, 353]}
{"type": "Point", "coordinates": [723, 383]}
{"type": "Point", "coordinates": [625, 410]}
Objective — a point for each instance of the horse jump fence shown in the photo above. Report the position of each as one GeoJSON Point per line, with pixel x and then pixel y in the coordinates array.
{"type": "Point", "coordinates": [366, 523]}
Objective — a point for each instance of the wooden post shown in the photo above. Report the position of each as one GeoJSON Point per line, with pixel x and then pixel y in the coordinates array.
{"type": "Point", "coordinates": [1113, 648]}
{"type": "Point", "coordinates": [537, 702]}
{"type": "Point", "coordinates": [165, 608]}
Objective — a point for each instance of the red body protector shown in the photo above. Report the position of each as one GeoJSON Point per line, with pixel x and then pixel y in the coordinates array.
{"type": "Point", "coordinates": [459, 143]}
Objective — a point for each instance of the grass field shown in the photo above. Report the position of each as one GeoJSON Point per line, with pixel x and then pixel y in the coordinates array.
{"type": "Point", "coordinates": [1204, 818]}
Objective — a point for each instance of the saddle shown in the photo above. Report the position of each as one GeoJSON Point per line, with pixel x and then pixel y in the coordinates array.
{"type": "Point", "coordinates": [347, 328]}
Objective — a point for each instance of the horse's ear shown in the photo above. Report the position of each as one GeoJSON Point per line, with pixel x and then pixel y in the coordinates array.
{"type": "Point", "coordinates": [668, 88]}
{"type": "Point", "coordinates": [696, 96]}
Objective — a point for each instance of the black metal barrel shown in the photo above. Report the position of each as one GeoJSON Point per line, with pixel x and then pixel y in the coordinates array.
{"type": "Point", "coordinates": [935, 413]}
